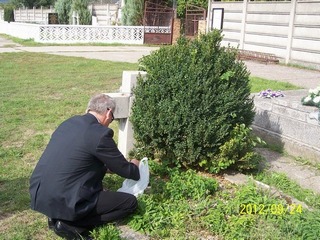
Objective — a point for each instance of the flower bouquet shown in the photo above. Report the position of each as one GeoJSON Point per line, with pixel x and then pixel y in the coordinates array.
{"type": "Point", "coordinates": [270, 94]}
{"type": "Point", "coordinates": [313, 98]}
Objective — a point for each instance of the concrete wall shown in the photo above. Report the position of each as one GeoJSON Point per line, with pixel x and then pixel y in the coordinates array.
{"type": "Point", "coordinates": [106, 14]}
{"type": "Point", "coordinates": [290, 30]}
{"type": "Point", "coordinates": [64, 34]}
{"type": "Point", "coordinates": [33, 15]}
{"type": "Point", "coordinates": [286, 122]}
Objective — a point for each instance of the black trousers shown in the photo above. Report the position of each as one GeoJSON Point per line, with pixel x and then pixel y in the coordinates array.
{"type": "Point", "coordinates": [111, 206]}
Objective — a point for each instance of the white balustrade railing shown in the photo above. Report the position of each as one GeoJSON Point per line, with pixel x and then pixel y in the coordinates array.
{"type": "Point", "coordinates": [82, 34]}
{"type": "Point", "coordinates": [157, 29]}
{"type": "Point", "coordinates": [74, 33]}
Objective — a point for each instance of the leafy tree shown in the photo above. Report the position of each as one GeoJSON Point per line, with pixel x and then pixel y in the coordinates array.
{"type": "Point", "coordinates": [32, 3]}
{"type": "Point", "coordinates": [81, 7]}
{"type": "Point", "coordinates": [132, 13]}
{"type": "Point", "coordinates": [63, 8]}
{"type": "Point", "coordinates": [182, 4]}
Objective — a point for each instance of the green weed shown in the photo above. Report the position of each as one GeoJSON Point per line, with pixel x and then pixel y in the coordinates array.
{"type": "Point", "coordinates": [106, 232]}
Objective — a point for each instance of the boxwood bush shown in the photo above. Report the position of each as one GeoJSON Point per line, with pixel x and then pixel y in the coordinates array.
{"type": "Point", "coordinates": [195, 93]}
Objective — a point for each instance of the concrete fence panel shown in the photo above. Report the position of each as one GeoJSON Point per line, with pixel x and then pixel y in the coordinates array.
{"type": "Point", "coordinates": [106, 14]}
{"type": "Point", "coordinates": [35, 15]}
{"type": "Point", "coordinates": [290, 30]}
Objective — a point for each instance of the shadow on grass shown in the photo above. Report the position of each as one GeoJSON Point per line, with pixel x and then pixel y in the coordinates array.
{"type": "Point", "coordinates": [14, 195]}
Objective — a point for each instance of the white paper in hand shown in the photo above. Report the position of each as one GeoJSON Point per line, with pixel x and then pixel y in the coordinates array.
{"type": "Point", "coordinates": [137, 187]}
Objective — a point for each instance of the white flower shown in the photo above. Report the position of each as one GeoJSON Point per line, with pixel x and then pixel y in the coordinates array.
{"type": "Point", "coordinates": [307, 99]}
{"type": "Point", "coordinates": [316, 99]}
{"type": "Point", "coordinates": [315, 91]}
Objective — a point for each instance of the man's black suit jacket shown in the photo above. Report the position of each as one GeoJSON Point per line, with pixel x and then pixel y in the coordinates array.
{"type": "Point", "coordinates": [68, 177]}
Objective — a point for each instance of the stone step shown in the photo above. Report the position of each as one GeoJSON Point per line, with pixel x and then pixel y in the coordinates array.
{"type": "Point", "coordinates": [305, 176]}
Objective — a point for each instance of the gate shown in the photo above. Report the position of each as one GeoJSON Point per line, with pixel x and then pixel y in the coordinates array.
{"type": "Point", "coordinates": [158, 23]}
{"type": "Point", "coordinates": [193, 15]}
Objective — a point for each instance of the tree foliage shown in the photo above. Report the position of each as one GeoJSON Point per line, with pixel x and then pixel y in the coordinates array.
{"type": "Point", "coordinates": [32, 3]}
{"type": "Point", "coordinates": [63, 8]}
{"type": "Point", "coordinates": [132, 13]}
{"type": "Point", "coordinates": [182, 5]}
{"type": "Point", "coordinates": [81, 7]}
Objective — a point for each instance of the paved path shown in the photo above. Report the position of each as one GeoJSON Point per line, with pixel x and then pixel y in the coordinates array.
{"type": "Point", "coordinates": [112, 53]}
{"type": "Point", "coordinates": [300, 77]}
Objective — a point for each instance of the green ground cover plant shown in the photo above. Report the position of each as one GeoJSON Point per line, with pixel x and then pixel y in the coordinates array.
{"type": "Point", "coordinates": [39, 91]}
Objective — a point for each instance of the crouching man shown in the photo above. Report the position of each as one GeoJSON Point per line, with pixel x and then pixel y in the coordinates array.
{"type": "Point", "coordinates": [66, 184]}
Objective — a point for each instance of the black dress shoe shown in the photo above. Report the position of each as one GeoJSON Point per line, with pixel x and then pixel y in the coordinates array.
{"type": "Point", "coordinates": [51, 223]}
{"type": "Point", "coordinates": [68, 232]}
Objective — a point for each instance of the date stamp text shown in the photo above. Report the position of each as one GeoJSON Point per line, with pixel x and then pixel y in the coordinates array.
{"type": "Point", "coordinates": [274, 209]}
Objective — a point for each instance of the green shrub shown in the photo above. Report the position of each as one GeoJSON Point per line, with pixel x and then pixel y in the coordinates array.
{"type": "Point", "coordinates": [8, 14]}
{"type": "Point", "coordinates": [194, 94]}
{"type": "Point", "coordinates": [238, 152]}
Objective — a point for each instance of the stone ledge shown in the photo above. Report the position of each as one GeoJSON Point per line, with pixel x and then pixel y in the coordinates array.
{"type": "Point", "coordinates": [285, 121]}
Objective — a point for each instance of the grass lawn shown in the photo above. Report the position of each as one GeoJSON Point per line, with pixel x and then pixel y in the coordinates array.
{"type": "Point", "coordinates": [39, 91]}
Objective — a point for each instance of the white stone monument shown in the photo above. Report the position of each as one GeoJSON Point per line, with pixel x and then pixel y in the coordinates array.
{"type": "Point", "coordinates": [124, 100]}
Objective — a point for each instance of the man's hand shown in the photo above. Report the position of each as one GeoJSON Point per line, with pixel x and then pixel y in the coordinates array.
{"type": "Point", "coordinates": [135, 162]}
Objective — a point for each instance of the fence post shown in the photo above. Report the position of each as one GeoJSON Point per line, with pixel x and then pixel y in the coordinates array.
{"type": "Point", "coordinates": [291, 28]}
{"type": "Point", "coordinates": [37, 35]}
{"type": "Point", "coordinates": [42, 15]}
{"type": "Point", "coordinates": [243, 24]}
